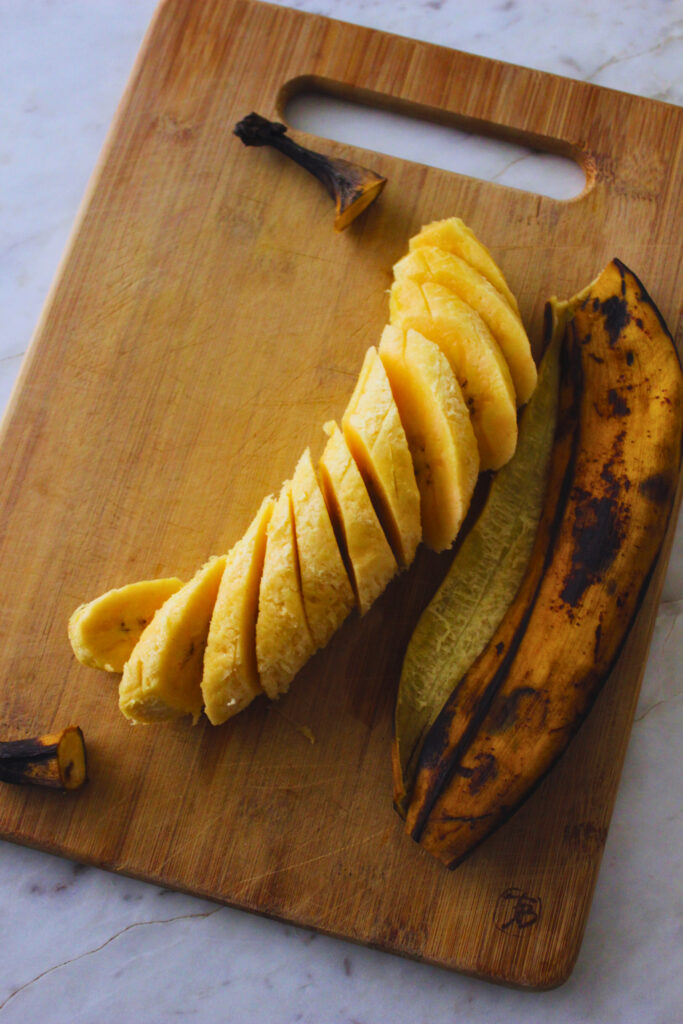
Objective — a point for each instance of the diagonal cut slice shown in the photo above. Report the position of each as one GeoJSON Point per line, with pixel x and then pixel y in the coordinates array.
{"type": "Point", "coordinates": [454, 236]}
{"type": "Point", "coordinates": [162, 677]}
{"type": "Point", "coordinates": [439, 430]}
{"type": "Point", "coordinates": [104, 631]}
{"type": "Point", "coordinates": [377, 441]}
{"type": "Point", "coordinates": [475, 357]}
{"type": "Point", "coordinates": [365, 549]}
{"type": "Point", "coordinates": [231, 681]}
{"type": "Point", "coordinates": [428, 263]}
{"type": "Point", "coordinates": [327, 593]}
{"type": "Point", "coordinates": [283, 640]}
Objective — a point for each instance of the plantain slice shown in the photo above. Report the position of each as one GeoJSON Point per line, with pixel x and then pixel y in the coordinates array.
{"type": "Point", "coordinates": [104, 631]}
{"type": "Point", "coordinates": [455, 236]}
{"type": "Point", "coordinates": [377, 441]}
{"type": "Point", "coordinates": [325, 588]}
{"type": "Point", "coordinates": [230, 680]}
{"type": "Point", "coordinates": [481, 582]}
{"type": "Point", "coordinates": [438, 428]}
{"type": "Point", "coordinates": [363, 545]}
{"type": "Point", "coordinates": [428, 263]}
{"type": "Point", "coordinates": [474, 355]}
{"type": "Point", "coordinates": [162, 677]}
{"type": "Point", "coordinates": [559, 641]}
{"type": "Point", "coordinates": [283, 640]}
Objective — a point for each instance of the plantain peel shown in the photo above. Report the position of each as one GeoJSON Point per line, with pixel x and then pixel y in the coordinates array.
{"type": "Point", "coordinates": [481, 582]}
{"type": "Point", "coordinates": [612, 488]}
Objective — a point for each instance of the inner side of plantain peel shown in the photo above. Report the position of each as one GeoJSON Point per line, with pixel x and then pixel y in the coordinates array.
{"type": "Point", "coordinates": [483, 578]}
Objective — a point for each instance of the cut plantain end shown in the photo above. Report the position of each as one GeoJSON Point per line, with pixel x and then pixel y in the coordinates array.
{"type": "Point", "coordinates": [57, 760]}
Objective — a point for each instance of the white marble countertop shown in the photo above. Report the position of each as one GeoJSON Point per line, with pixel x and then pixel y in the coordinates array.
{"type": "Point", "coordinates": [87, 946]}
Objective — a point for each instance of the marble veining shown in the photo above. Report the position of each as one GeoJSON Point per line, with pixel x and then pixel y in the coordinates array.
{"type": "Point", "coordinates": [87, 946]}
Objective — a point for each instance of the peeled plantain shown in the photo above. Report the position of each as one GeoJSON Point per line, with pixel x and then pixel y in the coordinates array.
{"type": "Point", "coordinates": [615, 468]}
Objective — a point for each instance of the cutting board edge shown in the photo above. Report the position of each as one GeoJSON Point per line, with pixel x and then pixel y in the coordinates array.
{"type": "Point", "coordinates": [25, 370]}
{"type": "Point", "coordinates": [529, 982]}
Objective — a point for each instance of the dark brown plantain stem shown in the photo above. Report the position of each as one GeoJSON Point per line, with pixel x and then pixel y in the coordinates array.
{"type": "Point", "coordinates": [57, 760]}
{"type": "Point", "coordinates": [351, 186]}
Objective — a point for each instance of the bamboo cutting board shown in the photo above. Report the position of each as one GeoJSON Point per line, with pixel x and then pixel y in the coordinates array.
{"type": "Point", "coordinates": [204, 323]}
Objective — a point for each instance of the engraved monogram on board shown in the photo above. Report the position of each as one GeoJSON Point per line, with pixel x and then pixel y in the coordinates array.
{"type": "Point", "coordinates": [515, 911]}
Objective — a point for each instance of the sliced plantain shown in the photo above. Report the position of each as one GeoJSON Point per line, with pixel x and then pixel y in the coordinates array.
{"type": "Point", "coordinates": [230, 680]}
{"type": "Point", "coordinates": [162, 677]}
{"type": "Point", "coordinates": [562, 634]}
{"type": "Point", "coordinates": [456, 237]}
{"type": "Point", "coordinates": [439, 431]}
{"type": "Point", "coordinates": [377, 441]}
{"type": "Point", "coordinates": [327, 593]}
{"type": "Point", "coordinates": [104, 632]}
{"type": "Point", "coordinates": [368, 556]}
{"type": "Point", "coordinates": [474, 355]}
{"type": "Point", "coordinates": [481, 582]}
{"type": "Point", "coordinates": [427, 414]}
{"type": "Point", "coordinates": [283, 640]}
{"type": "Point", "coordinates": [428, 263]}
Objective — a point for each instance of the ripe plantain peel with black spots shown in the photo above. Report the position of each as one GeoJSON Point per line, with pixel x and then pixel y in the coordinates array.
{"type": "Point", "coordinates": [619, 456]}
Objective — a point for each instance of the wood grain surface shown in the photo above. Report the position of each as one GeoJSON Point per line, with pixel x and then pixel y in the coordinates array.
{"type": "Point", "coordinates": [205, 321]}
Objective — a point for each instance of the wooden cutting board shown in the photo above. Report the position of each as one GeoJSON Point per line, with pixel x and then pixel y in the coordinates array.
{"type": "Point", "coordinates": [205, 321]}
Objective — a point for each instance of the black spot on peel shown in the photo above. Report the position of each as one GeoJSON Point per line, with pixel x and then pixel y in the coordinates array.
{"type": "Point", "coordinates": [598, 533]}
{"type": "Point", "coordinates": [630, 357]}
{"type": "Point", "coordinates": [618, 406]}
{"type": "Point", "coordinates": [616, 314]}
{"type": "Point", "coordinates": [508, 709]}
{"type": "Point", "coordinates": [464, 819]}
{"type": "Point", "coordinates": [486, 768]}
{"type": "Point", "coordinates": [500, 647]}
{"type": "Point", "coordinates": [656, 487]}
{"type": "Point", "coordinates": [642, 294]}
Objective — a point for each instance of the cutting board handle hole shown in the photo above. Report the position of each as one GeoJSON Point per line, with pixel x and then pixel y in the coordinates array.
{"type": "Point", "coordinates": [438, 138]}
